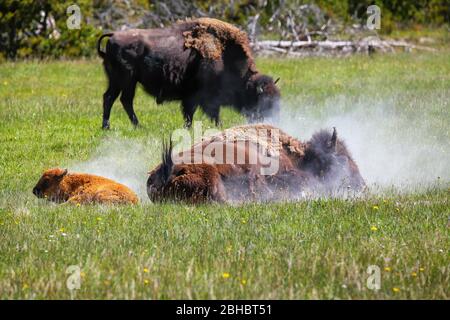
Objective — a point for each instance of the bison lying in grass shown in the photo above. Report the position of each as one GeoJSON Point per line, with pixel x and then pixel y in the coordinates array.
{"type": "Point", "coordinates": [60, 186]}
{"type": "Point", "coordinates": [320, 166]}
{"type": "Point", "coordinates": [203, 62]}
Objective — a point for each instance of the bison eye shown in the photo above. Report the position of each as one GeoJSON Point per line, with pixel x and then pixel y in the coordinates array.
{"type": "Point", "coordinates": [44, 184]}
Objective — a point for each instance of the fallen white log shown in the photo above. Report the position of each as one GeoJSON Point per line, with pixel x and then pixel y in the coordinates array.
{"type": "Point", "coordinates": [299, 44]}
{"type": "Point", "coordinates": [365, 45]}
{"type": "Point", "coordinates": [395, 43]}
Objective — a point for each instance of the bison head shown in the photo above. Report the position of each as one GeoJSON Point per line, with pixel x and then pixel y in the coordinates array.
{"type": "Point", "coordinates": [327, 158]}
{"type": "Point", "coordinates": [263, 98]}
{"type": "Point", "coordinates": [159, 176]}
{"type": "Point", "coordinates": [48, 185]}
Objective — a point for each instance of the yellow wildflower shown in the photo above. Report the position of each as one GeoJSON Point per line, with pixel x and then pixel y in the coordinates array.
{"type": "Point", "coordinates": [387, 269]}
{"type": "Point", "coordinates": [225, 275]}
{"type": "Point", "coordinates": [375, 207]}
{"type": "Point", "coordinates": [243, 282]}
{"type": "Point", "coordinates": [395, 289]}
{"type": "Point", "coordinates": [146, 270]}
{"type": "Point", "coordinates": [413, 274]}
{"type": "Point", "coordinates": [373, 228]}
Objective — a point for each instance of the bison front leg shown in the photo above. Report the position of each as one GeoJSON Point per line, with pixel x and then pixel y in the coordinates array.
{"type": "Point", "coordinates": [213, 112]}
{"type": "Point", "coordinates": [188, 107]}
{"type": "Point", "coordinates": [80, 199]}
{"type": "Point", "coordinates": [127, 101]}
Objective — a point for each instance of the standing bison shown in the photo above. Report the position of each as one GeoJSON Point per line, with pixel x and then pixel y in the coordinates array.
{"type": "Point", "coordinates": [203, 62]}
{"type": "Point", "coordinates": [226, 173]}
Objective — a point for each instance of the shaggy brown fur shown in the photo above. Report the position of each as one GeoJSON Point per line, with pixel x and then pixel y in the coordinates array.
{"type": "Point", "coordinates": [322, 165]}
{"type": "Point", "coordinates": [60, 186]}
{"type": "Point", "coordinates": [210, 37]}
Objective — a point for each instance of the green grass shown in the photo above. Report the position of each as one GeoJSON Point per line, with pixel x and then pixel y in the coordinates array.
{"type": "Point", "coordinates": [51, 116]}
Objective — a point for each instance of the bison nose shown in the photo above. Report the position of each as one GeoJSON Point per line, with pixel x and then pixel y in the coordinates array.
{"type": "Point", "coordinates": [35, 191]}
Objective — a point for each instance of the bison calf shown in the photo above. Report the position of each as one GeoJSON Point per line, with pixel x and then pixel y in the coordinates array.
{"type": "Point", "coordinates": [60, 186]}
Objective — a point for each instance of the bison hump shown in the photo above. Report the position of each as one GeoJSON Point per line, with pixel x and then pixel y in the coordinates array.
{"type": "Point", "coordinates": [269, 139]}
{"type": "Point", "coordinates": [213, 38]}
{"type": "Point", "coordinates": [205, 43]}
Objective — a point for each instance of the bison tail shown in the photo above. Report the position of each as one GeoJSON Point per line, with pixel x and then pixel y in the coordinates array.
{"type": "Point", "coordinates": [167, 162]}
{"type": "Point", "coordinates": [99, 42]}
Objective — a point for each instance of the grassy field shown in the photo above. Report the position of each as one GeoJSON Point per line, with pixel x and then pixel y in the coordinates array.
{"type": "Point", "coordinates": [51, 116]}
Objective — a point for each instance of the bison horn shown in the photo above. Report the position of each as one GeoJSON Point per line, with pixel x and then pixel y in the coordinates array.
{"type": "Point", "coordinates": [333, 139]}
{"type": "Point", "coordinates": [276, 81]}
{"type": "Point", "coordinates": [259, 89]}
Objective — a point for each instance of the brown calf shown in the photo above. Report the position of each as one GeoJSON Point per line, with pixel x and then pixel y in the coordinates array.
{"type": "Point", "coordinates": [60, 186]}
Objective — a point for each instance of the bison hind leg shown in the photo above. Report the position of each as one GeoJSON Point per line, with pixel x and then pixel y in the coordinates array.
{"type": "Point", "coordinates": [121, 80]}
{"type": "Point", "coordinates": [109, 97]}
{"type": "Point", "coordinates": [127, 101]}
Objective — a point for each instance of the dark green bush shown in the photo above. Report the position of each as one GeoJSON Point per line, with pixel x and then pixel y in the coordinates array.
{"type": "Point", "coordinates": [25, 31]}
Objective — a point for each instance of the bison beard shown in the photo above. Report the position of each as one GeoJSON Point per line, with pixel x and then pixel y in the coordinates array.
{"type": "Point", "coordinates": [321, 166]}
{"type": "Point", "coordinates": [203, 62]}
